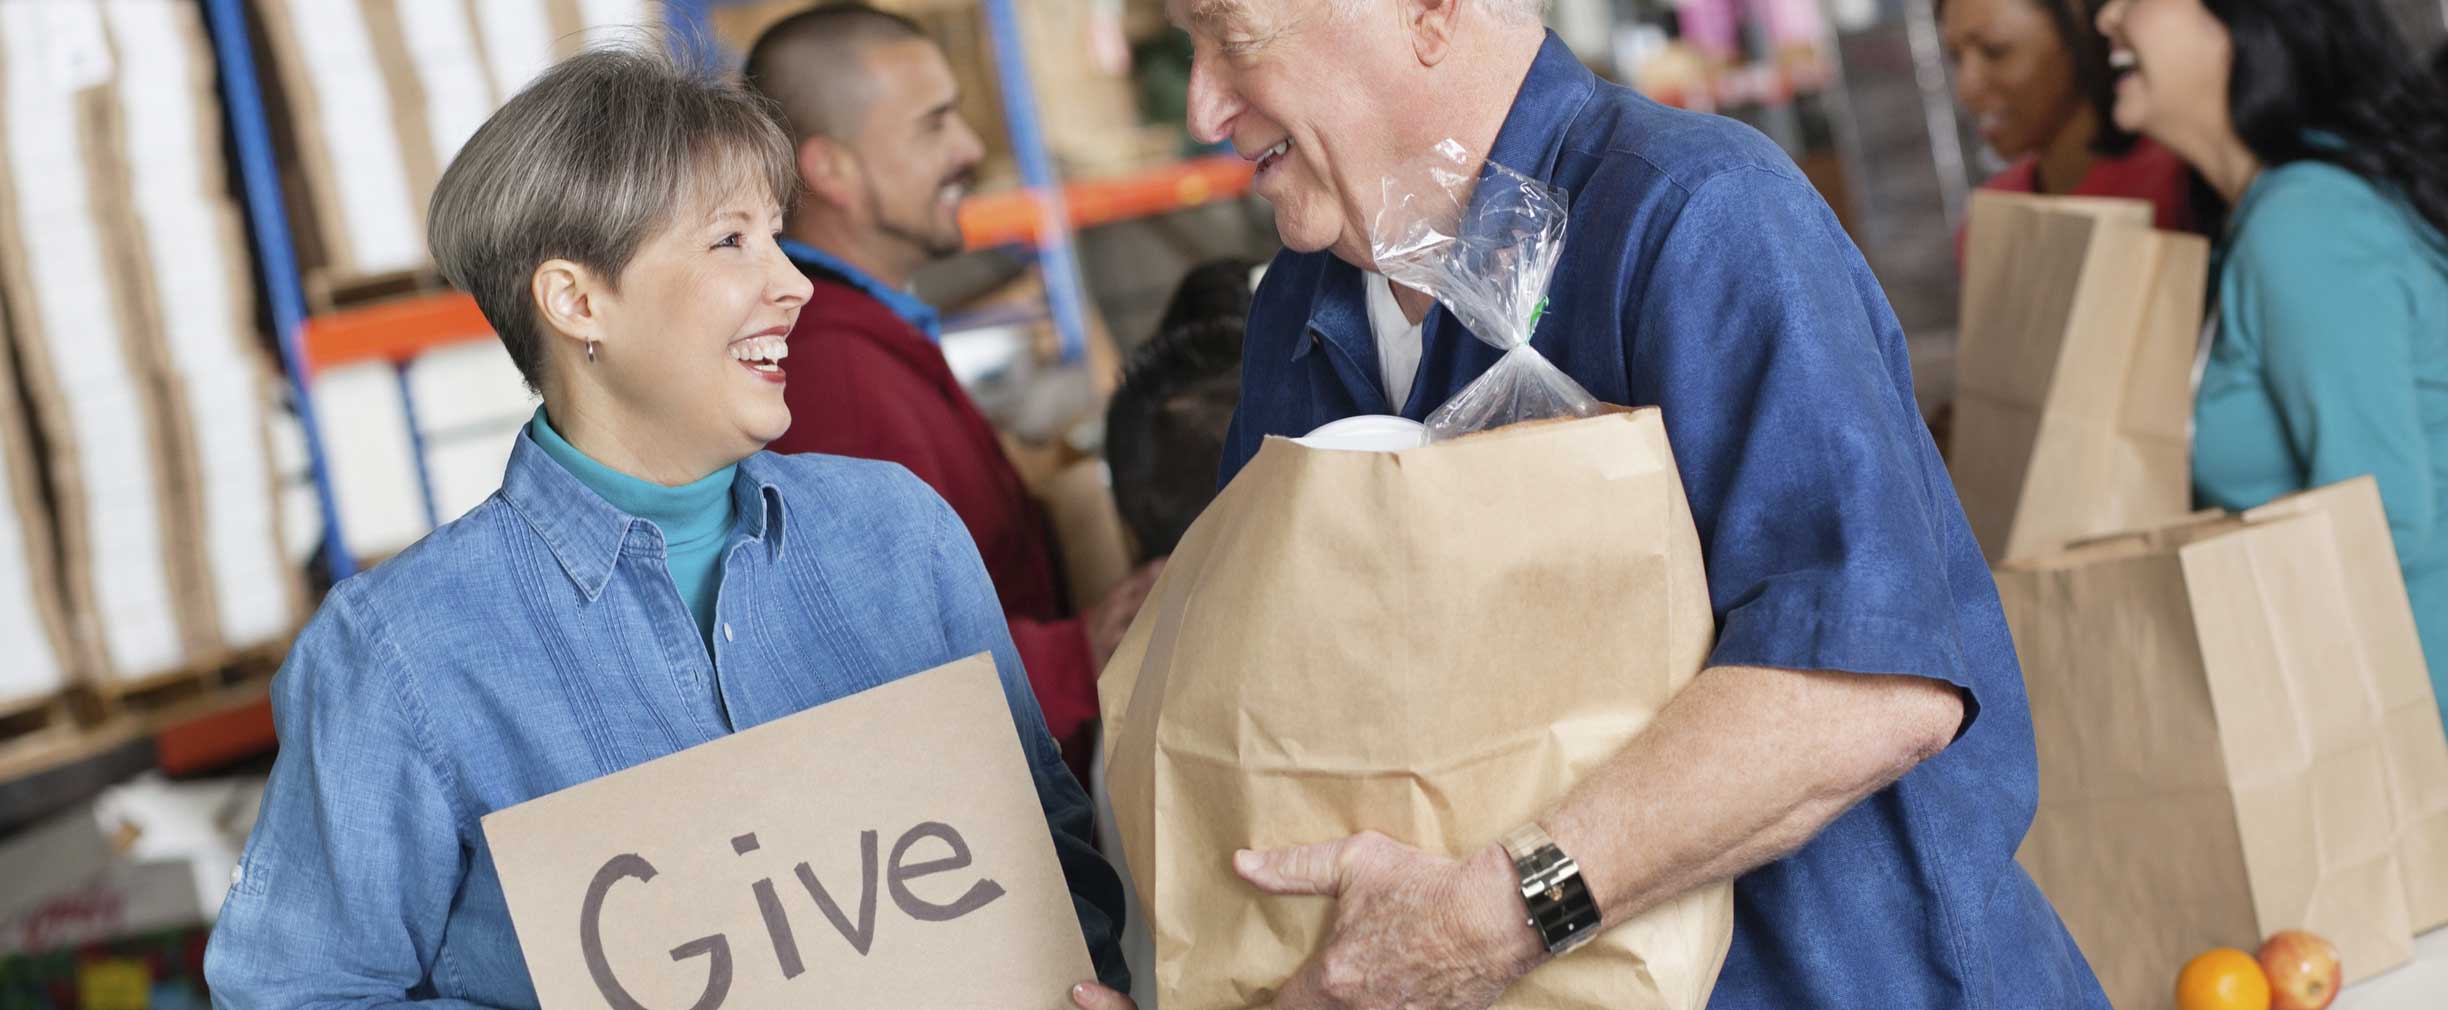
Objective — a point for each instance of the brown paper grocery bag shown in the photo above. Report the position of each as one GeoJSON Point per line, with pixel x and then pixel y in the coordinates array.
{"type": "Point", "coordinates": [2212, 767]}
{"type": "Point", "coordinates": [2399, 683]}
{"type": "Point", "coordinates": [1435, 644]}
{"type": "Point", "coordinates": [2073, 370]}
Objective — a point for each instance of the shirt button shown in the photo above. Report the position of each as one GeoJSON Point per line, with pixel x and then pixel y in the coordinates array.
{"type": "Point", "coordinates": [727, 636]}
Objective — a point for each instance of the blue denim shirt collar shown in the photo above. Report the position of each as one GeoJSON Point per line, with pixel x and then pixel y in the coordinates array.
{"type": "Point", "coordinates": [1552, 95]}
{"type": "Point", "coordinates": [585, 533]}
{"type": "Point", "coordinates": [909, 307]}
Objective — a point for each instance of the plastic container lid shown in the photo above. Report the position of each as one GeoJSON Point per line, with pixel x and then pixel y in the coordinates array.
{"type": "Point", "coordinates": [1368, 433]}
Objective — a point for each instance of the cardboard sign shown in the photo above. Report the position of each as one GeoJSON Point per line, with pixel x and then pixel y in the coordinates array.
{"type": "Point", "coordinates": [886, 849]}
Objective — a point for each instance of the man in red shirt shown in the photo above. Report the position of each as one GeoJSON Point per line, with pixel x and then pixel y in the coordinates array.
{"type": "Point", "coordinates": [885, 159]}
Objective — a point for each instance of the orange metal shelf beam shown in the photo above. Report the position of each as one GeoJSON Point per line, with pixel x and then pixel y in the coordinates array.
{"type": "Point", "coordinates": [392, 331]}
{"type": "Point", "coordinates": [1014, 218]}
{"type": "Point", "coordinates": [400, 330]}
{"type": "Point", "coordinates": [211, 741]}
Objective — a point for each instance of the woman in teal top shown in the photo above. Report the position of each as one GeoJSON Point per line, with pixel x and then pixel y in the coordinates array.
{"type": "Point", "coordinates": [695, 517]}
{"type": "Point", "coordinates": [2330, 357]}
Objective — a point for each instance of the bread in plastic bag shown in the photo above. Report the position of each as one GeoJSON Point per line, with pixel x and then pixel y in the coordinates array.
{"type": "Point", "coordinates": [1484, 244]}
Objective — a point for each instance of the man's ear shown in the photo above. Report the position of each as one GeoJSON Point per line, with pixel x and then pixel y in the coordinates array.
{"type": "Point", "coordinates": [828, 171]}
{"type": "Point", "coordinates": [1430, 24]}
{"type": "Point", "coordinates": [569, 302]}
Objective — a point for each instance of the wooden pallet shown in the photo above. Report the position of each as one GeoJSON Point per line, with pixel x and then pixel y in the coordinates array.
{"type": "Point", "coordinates": [38, 735]}
{"type": "Point", "coordinates": [35, 722]}
{"type": "Point", "coordinates": [201, 686]}
{"type": "Point", "coordinates": [328, 292]}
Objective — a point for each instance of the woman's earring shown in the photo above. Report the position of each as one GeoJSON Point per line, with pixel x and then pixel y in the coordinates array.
{"type": "Point", "coordinates": [590, 352]}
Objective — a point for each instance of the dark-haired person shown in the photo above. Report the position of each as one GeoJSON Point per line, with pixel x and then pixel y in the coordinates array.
{"type": "Point", "coordinates": [2330, 357]}
{"type": "Point", "coordinates": [1164, 429]}
{"type": "Point", "coordinates": [646, 580]}
{"type": "Point", "coordinates": [2036, 74]}
{"type": "Point", "coordinates": [885, 159]}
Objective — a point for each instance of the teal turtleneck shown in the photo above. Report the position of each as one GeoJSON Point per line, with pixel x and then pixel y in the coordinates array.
{"type": "Point", "coordinates": [695, 518]}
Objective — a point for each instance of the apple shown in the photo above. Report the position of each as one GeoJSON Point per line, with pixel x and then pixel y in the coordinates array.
{"type": "Point", "coordinates": [2302, 968]}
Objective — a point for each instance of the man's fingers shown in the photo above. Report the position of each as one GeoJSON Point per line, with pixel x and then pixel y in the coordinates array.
{"type": "Point", "coordinates": [1091, 996]}
{"type": "Point", "coordinates": [1300, 870]}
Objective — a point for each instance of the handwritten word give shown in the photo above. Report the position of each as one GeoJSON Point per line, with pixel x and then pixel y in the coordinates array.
{"type": "Point", "coordinates": [859, 931]}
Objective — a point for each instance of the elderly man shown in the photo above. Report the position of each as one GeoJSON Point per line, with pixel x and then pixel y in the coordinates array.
{"type": "Point", "coordinates": [884, 159]}
{"type": "Point", "coordinates": [1858, 756]}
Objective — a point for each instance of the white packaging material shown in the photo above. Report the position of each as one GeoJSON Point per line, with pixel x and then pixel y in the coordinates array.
{"type": "Point", "coordinates": [518, 41]}
{"type": "Point", "coordinates": [158, 101]}
{"type": "Point", "coordinates": [468, 384]}
{"type": "Point", "coordinates": [613, 13]}
{"type": "Point", "coordinates": [458, 96]}
{"type": "Point", "coordinates": [471, 404]}
{"type": "Point", "coordinates": [299, 507]}
{"type": "Point", "coordinates": [355, 126]}
{"type": "Point", "coordinates": [201, 825]}
{"type": "Point", "coordinates": [146, 856]}
{"type": "Point", "coordinates": [1368, 433]}
{"type": "Point", "coordinates": [34, 668]}
{"type": "Point", "coordinates": [466, 465]}
{"type": "Point", "coordinates": [250, 579]}
{"type": "Point", "coordinates": [368, 455]}
{"type": "Point", "coordinates": [107, 449]}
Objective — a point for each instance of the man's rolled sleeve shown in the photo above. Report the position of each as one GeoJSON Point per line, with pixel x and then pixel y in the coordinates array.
{"type": "Point", "coordinates": [347, 881]}
{"type": "Point", "coordinates": [1782, 377]}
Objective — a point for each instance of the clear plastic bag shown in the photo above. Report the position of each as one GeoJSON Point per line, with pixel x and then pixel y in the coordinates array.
{"type": "Point", "coordinates": [1484, 245]}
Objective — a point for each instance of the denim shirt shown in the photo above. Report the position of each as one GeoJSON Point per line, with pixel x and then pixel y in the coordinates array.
{"type": "Point", "coordinates": [537, 643]}
{"type": "Point", "coordinates": [1702, 274]}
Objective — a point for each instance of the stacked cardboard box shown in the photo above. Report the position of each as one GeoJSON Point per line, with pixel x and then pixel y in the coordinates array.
{"type": "Point", "coordinates": [197, 301]}
{"type": "Point", "coordinates": [76, 326]}
{"type": "Point", "coordinates": [372, 98]}
{"type": "Point", "coordinates": [131, 316]}
{"type": "Point", "coordinates": [30, 616]}
{"type": "Point", "coordinates": [470, 404]}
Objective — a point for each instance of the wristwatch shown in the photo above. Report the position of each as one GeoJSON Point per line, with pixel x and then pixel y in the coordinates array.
{"type": "Point", "coordinates": [1561, 908]}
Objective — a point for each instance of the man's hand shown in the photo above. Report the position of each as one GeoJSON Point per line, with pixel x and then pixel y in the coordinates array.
{"type": "Point", "coordinates": [1091, 996]}
{"type": "Point", "coordinates": [1411, 930]}
{"type": "Point", "coordinates": [1111, 617]}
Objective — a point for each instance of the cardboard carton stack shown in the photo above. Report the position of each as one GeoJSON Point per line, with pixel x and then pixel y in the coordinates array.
{"type": "Point", "coordinates": [372, 98]}
{"type": "Point", "coordinates": [197, 302]}
{"type": "Point", "coordinates": [77, 330]}
{"type": "Point", "coordinates": [131, 319]}
{"type": "Point", "coordinates": [470, 406]}
{"type": "Point", "coordinates": [30, 617]}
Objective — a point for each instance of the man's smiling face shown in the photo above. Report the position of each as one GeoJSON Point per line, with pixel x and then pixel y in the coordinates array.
{"type": "Point", "coordinates": [1313, 94]}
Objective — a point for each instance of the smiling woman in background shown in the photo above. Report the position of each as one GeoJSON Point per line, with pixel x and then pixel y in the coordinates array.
{"type": "Point", "coordinates": [2330, 356]}
{"type": "Point", "coordinates": [2036, 75]}
{"type": "Point", "coordinates": [646, 579]}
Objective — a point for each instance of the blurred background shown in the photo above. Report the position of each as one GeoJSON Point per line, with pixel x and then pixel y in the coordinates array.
{"type": "Point", "coordinates": [231, 377]}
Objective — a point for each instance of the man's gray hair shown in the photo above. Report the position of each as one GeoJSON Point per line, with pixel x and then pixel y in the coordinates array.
{"type": "Point", "coordinates": [1507, 10]}
{"type": "Point", "coordinates": [587, 163]}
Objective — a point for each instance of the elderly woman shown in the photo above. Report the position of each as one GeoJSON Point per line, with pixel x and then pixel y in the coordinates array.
{"type": "Point", "coordinates": [646, 580]}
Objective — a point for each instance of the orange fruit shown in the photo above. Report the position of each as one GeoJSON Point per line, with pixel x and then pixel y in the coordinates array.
{"type": "Point", "coordinates": [2223, 979]}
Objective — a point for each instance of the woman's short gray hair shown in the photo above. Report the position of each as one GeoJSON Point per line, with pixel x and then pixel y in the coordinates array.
{"type": "Point", "coordinates": [586, 164]}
